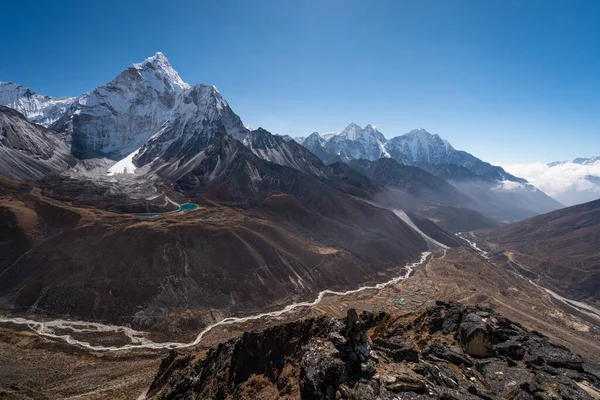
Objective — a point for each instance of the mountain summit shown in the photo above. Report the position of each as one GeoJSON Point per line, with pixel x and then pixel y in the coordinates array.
{"type": "Point", "coordinates": [354, 131]}
{"type": "Point", "coordinates": [158, 72]}
{"type": "Point", "coordinates": [119, 117]}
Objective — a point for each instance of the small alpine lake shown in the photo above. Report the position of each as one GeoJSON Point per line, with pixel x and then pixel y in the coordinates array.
{"type": "Point", "coordinates": [183, 207]}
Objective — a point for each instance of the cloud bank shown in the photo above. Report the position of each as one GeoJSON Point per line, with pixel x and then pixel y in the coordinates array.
{"type": "Point", "coordinates": [568, 182]}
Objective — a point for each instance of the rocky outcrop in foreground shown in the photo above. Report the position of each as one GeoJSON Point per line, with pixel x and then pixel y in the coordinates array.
{"type": "Point", "coordinates": [451, 351]}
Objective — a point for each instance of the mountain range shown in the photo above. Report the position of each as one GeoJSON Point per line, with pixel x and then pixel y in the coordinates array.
{"type": "Point", "coordinates": [147, 116]}
{"type": "Point", "coordinates": [498, 194]}
{"type": "Point", "coordinates": [147, 142]}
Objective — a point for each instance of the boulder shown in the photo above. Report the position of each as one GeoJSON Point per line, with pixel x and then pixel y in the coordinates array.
{"type": "Point", "coordinates": [474, 333]}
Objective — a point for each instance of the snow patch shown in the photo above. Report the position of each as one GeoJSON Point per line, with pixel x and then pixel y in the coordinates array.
{"type": "Point", "coordinates": [124, 166]}
{"type": "Point", "coordinates": [430, 241]}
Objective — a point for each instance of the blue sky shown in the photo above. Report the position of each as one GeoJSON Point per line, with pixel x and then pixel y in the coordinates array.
{"type": "Point", "coordinates": [509, 81]}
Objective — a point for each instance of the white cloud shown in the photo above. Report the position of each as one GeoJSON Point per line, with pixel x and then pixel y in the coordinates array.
{"type": "Point", "coordinates": [509, 186]}
{"type": "Point", "coordinates": [567, 182]}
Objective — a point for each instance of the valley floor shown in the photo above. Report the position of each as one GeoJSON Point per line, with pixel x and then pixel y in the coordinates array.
{"type": "Point", "coordinates": [37, 367]}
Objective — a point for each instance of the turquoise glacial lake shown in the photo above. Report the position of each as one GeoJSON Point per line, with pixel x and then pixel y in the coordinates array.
{"type": "Point", "coordinates": [183, 207]}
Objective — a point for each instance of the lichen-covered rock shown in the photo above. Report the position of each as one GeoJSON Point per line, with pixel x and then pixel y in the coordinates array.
{"type": "Point", "coordinates": [321, 370]}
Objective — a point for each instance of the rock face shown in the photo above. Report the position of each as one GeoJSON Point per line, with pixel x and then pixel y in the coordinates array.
{"type": "Point", "coordinates": [29, 151]}
{"type": "Point", "coordinates": [200, 118]}
{"type": "Point", "coordinates": [451, 351]}
{"type": "Point", "coordinates": [288, 153]}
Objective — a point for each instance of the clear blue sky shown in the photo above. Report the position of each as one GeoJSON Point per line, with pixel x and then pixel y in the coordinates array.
{"type": "Point", "coordinates": [510, 81]}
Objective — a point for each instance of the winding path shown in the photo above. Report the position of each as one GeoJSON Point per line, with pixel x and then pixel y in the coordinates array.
{"type": "Point", "coordinates": [139, 341]}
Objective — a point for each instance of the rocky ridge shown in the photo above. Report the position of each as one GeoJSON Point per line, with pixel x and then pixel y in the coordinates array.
{"type": "Point", "coordinates": [451, 351]}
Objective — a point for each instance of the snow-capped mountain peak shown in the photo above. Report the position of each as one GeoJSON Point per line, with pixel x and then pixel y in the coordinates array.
{"type": "Point", "coordinates": [427, 139]}
{"type": "Point", "coordinates": [587, 161]}
{"type": "Point", "coordinates": [420, 146]}
{"type": "Point", "coordinates": [352, 131]}
{"type": "Point", "coordinates": [120, 116]}
{"type": "Point", "coordinates": [145, 109]}
{"type": "Point", "coordinates": [158, 72]}
{"type": "Point", "coordinates": [370, 128]}
{"type": "Point", "coordinates": [418, 132]}
{"type": "Point", "coordinates": [352, 143]}
{"type": "Point", "coordinates": [204, 103]}
{"type": "Point", "coordinates": [313, 139]}
{"type": "Point", "coordinates": [38, 109]}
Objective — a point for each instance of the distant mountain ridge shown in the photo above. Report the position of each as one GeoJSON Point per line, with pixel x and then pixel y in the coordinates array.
{"type": "Point", "coordinates": [415, 147]}
{"type": "Point", "coordinates": [571, 182]}
{"type": "Point", "coordinates": [501, 195]}
{"type": "Point", "coordinates": [39, 109]}
{"type": "Point", "coordinates": [578, 160]}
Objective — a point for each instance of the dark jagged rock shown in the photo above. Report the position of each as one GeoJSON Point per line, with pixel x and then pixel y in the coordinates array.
{"type": "Point", "coordinates": [511, 349]}
{"type": "Point", "coordinates": [396, 350]}
{"type": "Point", "coordinates": [438, 351]}
{"type": "Point", "coordinates": [451, 351]}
